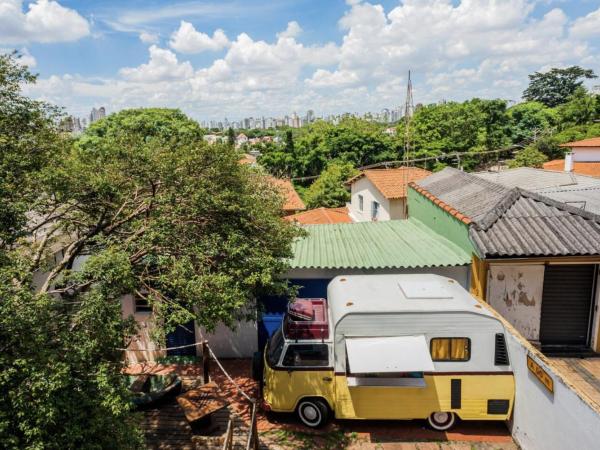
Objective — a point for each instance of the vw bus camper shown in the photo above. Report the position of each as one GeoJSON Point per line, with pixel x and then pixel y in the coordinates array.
{"type": "Point", "coordinates": [415, 346]}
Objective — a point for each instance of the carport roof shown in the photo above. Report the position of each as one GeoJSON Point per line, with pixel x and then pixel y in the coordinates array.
{"type": "Point", "coordinates": [394, 244]}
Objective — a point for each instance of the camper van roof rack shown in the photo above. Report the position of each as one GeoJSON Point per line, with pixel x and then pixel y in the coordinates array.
{"type": "Point", "coordinates": [306, 318]}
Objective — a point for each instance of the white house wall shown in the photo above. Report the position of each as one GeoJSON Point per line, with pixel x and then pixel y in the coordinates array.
{"type": "Point", "coordinates": [370, 193]}
{"type": "Point", "coordinates": [239, 343]}
{"type": "Point", "coordinates": [515, 291]}
{"type": "Point", "coordinates": [588, 154]}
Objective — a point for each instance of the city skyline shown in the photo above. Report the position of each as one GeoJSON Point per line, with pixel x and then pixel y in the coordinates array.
{"type": "Point", "coordinates": [231, 59]}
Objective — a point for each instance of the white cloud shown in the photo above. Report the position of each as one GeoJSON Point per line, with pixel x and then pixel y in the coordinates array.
{"type": "Point", "coordinates": [456, 50]}
{"type": "Point", "coordinates": [293, 30]}
{"type": "Point", "coordinates": [188, 40]}
{"type": "Point", "coordinates": [149, 38]}
{"type": "Point", "coordinates": [162, 66]}
{"type": "Point", "coordinates": [45, 21]}
{"type": "Point", "coordinates": [25, 58]}
{"type": "Point", "coordinates": [339, 78]}
{"type": "Point", "coordinates": [587, 26]}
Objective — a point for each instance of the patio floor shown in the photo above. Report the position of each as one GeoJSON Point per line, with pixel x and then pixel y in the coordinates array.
{"type": "Point", "coordinates": [583, 373]}
{"type": "Point", "coordinates": [166, 427]}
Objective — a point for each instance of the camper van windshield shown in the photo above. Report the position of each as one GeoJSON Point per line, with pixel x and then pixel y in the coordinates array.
{"type": "Point", "coordinates": [275, 347]}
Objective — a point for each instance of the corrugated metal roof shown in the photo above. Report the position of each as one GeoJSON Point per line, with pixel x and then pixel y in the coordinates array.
{"type": "Point", "coordinates": [394, 244]}
{"type": "Point", "coordinates": [511, 221]}
{"type": "Point", "coordinates": [472, 196]}
{"type": "Point", "coordinates": [576, 190]}
{"type": "Point", "coordinates": [528, 224]}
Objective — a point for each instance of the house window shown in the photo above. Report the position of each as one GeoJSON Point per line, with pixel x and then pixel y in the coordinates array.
{"type": "Point", "coordinates": [374, 210]}
{"type": "Point", "coordinates": [450, 349]}
{"type": "Point", "coordinates": [360, 202]}
{"type": "Point", "coordinates": [142, 305]}
{"type": "Point", "coordinates": [306, 355]}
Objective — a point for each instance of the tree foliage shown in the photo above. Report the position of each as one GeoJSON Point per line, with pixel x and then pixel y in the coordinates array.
{"type": "Point", "coordinates": [554, 87]}
{"type": "Point", "coordinates": [329, 190]}
{"type": "Point", "coordinates": [143, 206]}
{"type": "Point", "coordinates": [529, 157]}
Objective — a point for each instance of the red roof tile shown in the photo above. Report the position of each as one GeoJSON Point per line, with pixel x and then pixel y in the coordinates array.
{"type": "Point", "coordinates": [392, 182]}
{"type": "Point", "coordinates": [591, 142]}
{"type": "Point", "coordinates": [293, 201]}
{"type": "Point", "coordinates": [320, 216]}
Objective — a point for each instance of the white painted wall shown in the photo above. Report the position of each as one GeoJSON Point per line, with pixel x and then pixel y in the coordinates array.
{"type": "Point", "coordinates": [587, 154]}
{"type": "Point", "coordinates": [459, 273]}
{"type": "Point", "coordinates": [515, 291]}
{"type": "Point", "coordinates": [370, 193]}
{"type": "Point", "coordinates": [239, 343]}
{"type": "Point", "coordinates": [545, 421]}
{"type": "Point", "coordinates": [397, 210]}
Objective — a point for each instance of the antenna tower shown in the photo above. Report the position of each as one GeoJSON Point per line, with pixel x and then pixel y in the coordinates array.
{"type": "Point", "coordinates": [408, 112]}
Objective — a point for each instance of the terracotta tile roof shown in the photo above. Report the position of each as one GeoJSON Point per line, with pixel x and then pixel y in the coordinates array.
{"type": "Point", "coordinates": [293, 201]}
{"type": "Point", "coordinates": [446, 207]}
{"type": "Point", "coordinates": [591, 169]}
{"type": "Point", "coordinates": [248, 159]}
{"type": "Point", "coordinates": [591, 142]}
{"type": "Point", "coordinates": [320, 216]}
{"type": "Point", "coordinates": [392, 182]}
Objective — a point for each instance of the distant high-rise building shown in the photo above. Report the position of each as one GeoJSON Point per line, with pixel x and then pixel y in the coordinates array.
{"type": "Point", "coordinates": [97, 114]}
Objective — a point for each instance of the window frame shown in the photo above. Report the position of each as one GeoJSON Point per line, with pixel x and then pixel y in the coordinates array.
{"type": "Point", "coordinates": [361, 203]}
{"type": "Point", "coordinates": [146, 309]}
{"type": "Point", "coordinates": [327, 364]}
{"type": "Point", "coordinates": [375, 209]}
{"type": "Point", "coordinates": [450, 338]}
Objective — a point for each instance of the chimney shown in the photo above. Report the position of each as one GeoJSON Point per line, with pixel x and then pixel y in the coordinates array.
{"type": "Point", "coordinates": [569, 162]}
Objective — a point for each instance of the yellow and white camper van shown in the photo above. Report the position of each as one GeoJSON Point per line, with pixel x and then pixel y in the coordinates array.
{"type": "Point", "coordinates": [390, 347]}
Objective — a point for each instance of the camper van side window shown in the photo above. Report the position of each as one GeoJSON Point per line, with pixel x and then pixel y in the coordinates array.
{"type": "Point", "coordinates": [450, 349]}
{"type": "Point", "coordinates": [306, 355]}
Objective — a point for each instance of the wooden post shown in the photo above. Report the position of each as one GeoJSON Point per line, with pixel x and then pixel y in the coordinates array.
{"type": "Point", "coordinates": [205, 362]}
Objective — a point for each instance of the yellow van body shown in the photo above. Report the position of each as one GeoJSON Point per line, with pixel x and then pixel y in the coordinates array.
{"type": "Point", "coordinates": [283, 389]}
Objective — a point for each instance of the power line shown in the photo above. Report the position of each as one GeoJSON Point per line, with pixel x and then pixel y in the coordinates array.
{"type": "Point", "coordinates": [455, 155]}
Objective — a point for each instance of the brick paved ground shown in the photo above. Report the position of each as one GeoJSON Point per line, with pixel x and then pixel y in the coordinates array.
{"type": "Point", "coordinates": [583, 373]}
{"type": "Point", "coordinates": [166, 427]}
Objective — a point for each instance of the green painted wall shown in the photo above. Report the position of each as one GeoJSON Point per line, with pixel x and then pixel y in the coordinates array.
{"type": "Point", "coordinates": [439, 220]}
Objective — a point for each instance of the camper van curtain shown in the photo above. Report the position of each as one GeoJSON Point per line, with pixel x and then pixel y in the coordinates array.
{"type": "Point", "coordinates": [388, 355]}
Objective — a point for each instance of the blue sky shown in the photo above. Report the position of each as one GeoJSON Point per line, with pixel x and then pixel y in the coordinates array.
{"type": "Point", "coordinates": [236, 58]}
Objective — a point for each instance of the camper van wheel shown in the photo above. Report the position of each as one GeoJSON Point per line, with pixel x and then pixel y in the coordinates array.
{"type": "Point", "coordinates": [313, 412]}
{"type": "Point", "coordinates": [441, 421]}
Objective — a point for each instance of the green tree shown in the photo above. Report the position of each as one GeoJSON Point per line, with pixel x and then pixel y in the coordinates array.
{"type": "Point", "coordinates": [554, 87]}
{"type": "Point", "coordinates": [162, 215]}
{"type": "Point", "coordinates": [581, 108]}
{"type": "Point", "coordinates": [329, 190]}
{"type": "Point", "coordinates": [60, 380]}
{"type": "Point", "coordinates": [230, 137]}
{"type": "Point", "coordinates": [529, 157]}
{"type": "Point", "coordinates": [289, 142]}
{"type": "Point", "coordinates": [529, 120]}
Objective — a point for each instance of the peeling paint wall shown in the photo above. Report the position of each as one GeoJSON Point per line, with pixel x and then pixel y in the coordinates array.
{"type": "Point", "coordinates": [516, 293]}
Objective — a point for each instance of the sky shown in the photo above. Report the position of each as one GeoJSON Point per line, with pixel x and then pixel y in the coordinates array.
{"type": "Point", "coordinates": [239, 58]}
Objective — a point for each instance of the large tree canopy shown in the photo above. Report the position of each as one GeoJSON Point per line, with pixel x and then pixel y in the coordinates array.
{"type": "Point", "coordinates": [554, 87]}
{"type": "Point", "coordinates": [142, 205]}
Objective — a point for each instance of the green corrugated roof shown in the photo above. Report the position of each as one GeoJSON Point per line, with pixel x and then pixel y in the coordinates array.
{"type": "Point", "coordinates": [393, 244]}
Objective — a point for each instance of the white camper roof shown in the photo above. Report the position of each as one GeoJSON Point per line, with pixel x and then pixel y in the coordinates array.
{"type": "Point", "coordinates": [406, 293]}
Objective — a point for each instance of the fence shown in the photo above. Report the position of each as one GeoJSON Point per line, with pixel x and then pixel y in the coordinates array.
{"type": "Point", "coordinates": [253, 433]}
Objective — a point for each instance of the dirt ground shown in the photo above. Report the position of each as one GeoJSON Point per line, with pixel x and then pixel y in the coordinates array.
{"type": "Point", "coordinates": [283, 431]}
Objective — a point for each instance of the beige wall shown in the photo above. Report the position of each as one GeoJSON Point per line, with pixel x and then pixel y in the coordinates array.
{"type": "Point", "coordinates": [370, 193]}
{"type": "Point", "coordinates": [515, 291]}
{"type": "Point", "coordinates": [397, 210]}
{"type": "Point", "coordinates": [143, 340]}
